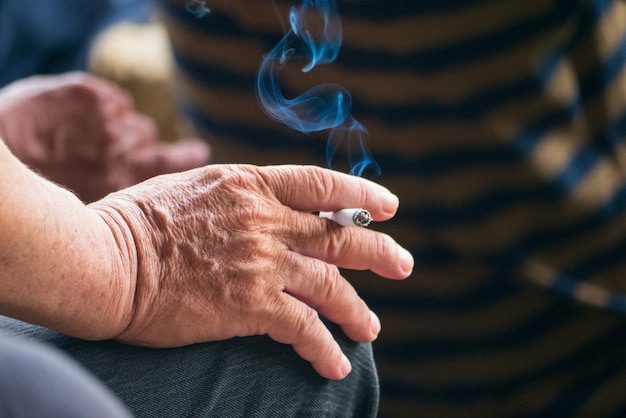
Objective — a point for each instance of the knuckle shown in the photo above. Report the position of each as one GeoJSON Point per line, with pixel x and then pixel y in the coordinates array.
{"type": "Point", "coordinates": [317, 183]}
{"type": "Point", "coordinates": [385, 247]}
{"type": "Point", "coordinates": [256, 212]}
{"type": "Point", "coordinates": [242, 176]}
{"type": "Point", "coordinates": [251, 296]}
{"type": "Point", "coordinates": [255, 291]}
{"type": "Point", "coordinates": [330, 352]}
{"type": "Point", "coordinates": [327, 183]}
{"type": "Point", "coordinates": [323, 184]}
{"type": "Point", "coordinates": [336, 244]}
{"type": "Point", "coordinates": [330, 281]}
{"type": "Point", "coordinates": [292, 323]}
{"type": "Point", "coordinates": [306, 324]}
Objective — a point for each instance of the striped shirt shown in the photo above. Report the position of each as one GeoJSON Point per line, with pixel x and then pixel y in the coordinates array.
{"type": "Point", "coordinates": [500, 124]}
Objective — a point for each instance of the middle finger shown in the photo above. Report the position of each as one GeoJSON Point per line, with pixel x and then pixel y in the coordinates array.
{"type": "Point", "coordinates": [346, 246]}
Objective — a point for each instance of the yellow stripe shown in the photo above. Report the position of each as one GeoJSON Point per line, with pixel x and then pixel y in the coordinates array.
{"type": "Point", "coordinates": [436, 30]}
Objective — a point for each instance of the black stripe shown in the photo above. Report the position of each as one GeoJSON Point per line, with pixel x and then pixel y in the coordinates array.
{"type": "Point", "coordinates": [462, 52]}
{"type": "Point", "coordinates": [584, 360]}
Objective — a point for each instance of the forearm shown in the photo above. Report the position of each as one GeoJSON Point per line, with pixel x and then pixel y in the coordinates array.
{"type": "Point", "coordinates": [61, 264]}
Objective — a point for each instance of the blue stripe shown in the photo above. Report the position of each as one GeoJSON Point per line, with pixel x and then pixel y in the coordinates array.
{"type": "Point", "coordinates": [548, 238]}
{"type": "Point", "coordinates": [617, 302]}
{"type": "Point", "coordinates": [567, 281]}
{"type": "Point", "coordinates": [604, 73]}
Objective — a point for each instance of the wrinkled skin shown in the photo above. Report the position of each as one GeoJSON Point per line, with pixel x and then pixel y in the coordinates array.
{"type": "Point", "coordinates": [227, 251]}
{"type": "Point", "coordinates": [201, 255]}
{"type": "Point", "coordinates": [84, 133]}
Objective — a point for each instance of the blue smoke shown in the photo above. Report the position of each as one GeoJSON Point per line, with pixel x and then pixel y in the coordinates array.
{"type": "Point", "coordinates": [198, 8]}
{"type": "Point", "coordinates": [315, 36]}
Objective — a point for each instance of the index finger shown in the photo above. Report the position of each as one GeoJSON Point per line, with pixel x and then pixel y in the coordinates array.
{"type": "Point", "coordinates": [310, 188]}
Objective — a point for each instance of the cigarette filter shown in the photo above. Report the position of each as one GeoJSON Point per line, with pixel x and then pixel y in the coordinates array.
{"type": "Point", "coordinates": [349, 217]}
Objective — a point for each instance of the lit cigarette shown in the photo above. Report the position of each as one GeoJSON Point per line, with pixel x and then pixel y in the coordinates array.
{"type": "Point", "coordinates": [349, 217]}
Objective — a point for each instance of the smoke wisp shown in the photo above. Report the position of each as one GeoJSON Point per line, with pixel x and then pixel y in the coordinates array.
{"type": "Point", "coordinates": [315, 36]}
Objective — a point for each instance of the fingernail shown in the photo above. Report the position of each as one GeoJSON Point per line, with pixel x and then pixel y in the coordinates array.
{"type": "Point", "coordinates": [375, 325]}
{"type": "Point", "coordinates": [406, 261]}
{"type": "Point", "coordinates": [346, 367]}
{"type": "Point", "coordinates": [390, 202]}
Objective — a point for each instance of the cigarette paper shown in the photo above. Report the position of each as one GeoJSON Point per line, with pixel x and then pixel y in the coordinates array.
{"type": "Point", "coordinates": [349, 217]}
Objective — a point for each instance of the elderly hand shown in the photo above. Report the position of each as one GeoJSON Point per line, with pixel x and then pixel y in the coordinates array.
{"type": "Point", "coordinates": [84, 133]}
{"type": "Point", "coordinates": [226, 251]}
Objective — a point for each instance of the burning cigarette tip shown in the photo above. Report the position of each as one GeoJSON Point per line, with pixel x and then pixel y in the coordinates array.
{"type": "Point", "coordinates": [349, 217]}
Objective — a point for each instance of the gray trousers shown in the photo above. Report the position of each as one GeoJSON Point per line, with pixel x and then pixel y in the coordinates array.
{"type": "Point", "coordinates": [242, 377]}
